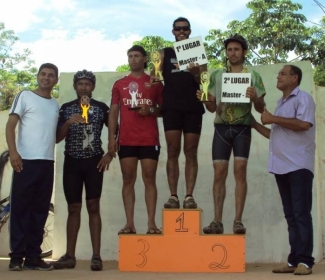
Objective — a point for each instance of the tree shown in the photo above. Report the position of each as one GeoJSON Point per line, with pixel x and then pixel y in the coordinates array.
{"type": "Point", "coordinates": [274, 30]}
{"type": "Point", "coordinates": [13, 80]}
{"type": "Point", "coordinates": [8, 60]}
{"type": "Point", "coordinates": [317, 54]}
{"type": "Point", "coordinates": [150, 44]}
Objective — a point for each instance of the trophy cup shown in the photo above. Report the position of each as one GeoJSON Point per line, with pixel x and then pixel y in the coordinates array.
{"type": "Point", "coordinates": [205, 80]}
{"type": "Point", "coordinates": [156, 60]}
{"type": "Point", "coordinates": [133, 90]}
{"type": "Point", "coordinates": [85, 105]}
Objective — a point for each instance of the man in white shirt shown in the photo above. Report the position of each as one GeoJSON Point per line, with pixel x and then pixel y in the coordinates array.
{"type": "Point", "coordinates": [32, 158]}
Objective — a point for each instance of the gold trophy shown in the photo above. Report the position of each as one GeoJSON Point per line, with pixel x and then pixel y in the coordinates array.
{"type": "Point", "coordinates": [85, 105]}
{"type": "Point", "coordinates": [205, 80]}
{"type": "Point", "coordinates": [156, 60]}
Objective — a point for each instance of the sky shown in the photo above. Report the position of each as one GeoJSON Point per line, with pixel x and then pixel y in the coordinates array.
{"type": "Point", "coordinates": [95, 34]}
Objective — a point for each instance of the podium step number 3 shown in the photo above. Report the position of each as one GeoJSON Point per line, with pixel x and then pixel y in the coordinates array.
{"type": "Point", "coordinates": [182, 248]}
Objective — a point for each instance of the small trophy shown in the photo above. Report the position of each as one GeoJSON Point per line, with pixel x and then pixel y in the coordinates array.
{"type": "Point", "coordinates": [85, 105]}
{"type": "Point", "coordinates": [133, 90]}
{"type": "Point", "coordinates": [205, 80]}
{"type": "Point", "coordinates": [156, 60]}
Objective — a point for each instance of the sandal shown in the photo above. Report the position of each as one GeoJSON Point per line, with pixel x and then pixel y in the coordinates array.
{"type": "Point", "coordinates": [126, 230]}
{"type": "Point", "coordinates": [154, 231]}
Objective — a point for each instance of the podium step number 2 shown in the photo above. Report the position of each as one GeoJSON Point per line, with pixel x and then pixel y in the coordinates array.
{"type": "Point", "coordinates": [182, 248]}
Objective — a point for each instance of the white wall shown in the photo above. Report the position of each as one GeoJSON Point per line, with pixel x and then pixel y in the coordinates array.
{"type": "Point", "coordinates": [266, 238]}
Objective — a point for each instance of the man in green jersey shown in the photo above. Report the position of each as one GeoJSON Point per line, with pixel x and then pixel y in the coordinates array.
{"type": "Point", "coordinates": [232, 132]}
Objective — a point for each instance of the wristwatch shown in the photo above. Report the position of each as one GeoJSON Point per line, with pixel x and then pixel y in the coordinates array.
{"type": "Point", "coordinates": [151, 110]}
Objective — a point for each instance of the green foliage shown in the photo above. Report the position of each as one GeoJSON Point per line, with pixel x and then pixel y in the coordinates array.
{"type": "Point", "coordinates": [8, 60]}
{"type": "Point", "coordinates": [273, 30]}
{"type": "Point", "coordinates": [123, 68]}
{"type": "Point", "coordinates": [319, 76]}
{"type": "Point", "coordinates": [12, 80]}
{"type": "Point", "coordinates": [150, 44]}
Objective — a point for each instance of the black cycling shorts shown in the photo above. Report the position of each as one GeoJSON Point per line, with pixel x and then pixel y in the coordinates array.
{"type": "Point", "coordinates": [140, 152]}
{"type": "Point", "coordinates": [76, 173]}
{"type": "Point", "coordinates": [231, 137]}
{"type": "Point", "coordinates": [187, 122]}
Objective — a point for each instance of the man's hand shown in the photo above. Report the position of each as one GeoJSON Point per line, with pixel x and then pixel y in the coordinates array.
{"type": "Point", "coordinates": [154, 80]}
{"type": "Point", "coordinates": [16, 161]}
{"type": "Point", "coordinates": [144, 110]}
{"type": "Point", "coordinates": [199, 96]}
{"type": "Point", "coordinates": [76, 119]}
{"type": "Point", "coordinates": [112, 147]}
{"type": "Point", "coordinates": [266, 117]}
{"type": "Point", "coordinates": [251, 94]}
{"type": "Point", "coordinates": [104, 162]}
{"type": "Point", "coordinates": [194, 69]}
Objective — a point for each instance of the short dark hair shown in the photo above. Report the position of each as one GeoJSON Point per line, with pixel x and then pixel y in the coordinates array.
{"type": "Point", "coordinates": [137, 48]}
{"type": "Point", "coordinates": [181, 19]}
{"type": "Point", "coordinates": [50, 66]}
{"type": "Point", "coordinates": [294, 70]}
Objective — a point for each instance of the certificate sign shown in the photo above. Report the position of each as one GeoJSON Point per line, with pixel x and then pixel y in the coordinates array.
{"type": "Point", "coordinates": [190, 50]}
{"type": "Point", "coordinates": [234, 86]}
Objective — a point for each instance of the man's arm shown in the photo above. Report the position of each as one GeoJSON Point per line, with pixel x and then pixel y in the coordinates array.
{"type": "Point", "coordinates": [15, 158]}
{"type": "Point", "coordinates": [258, 102]}
{"type": "Point", "coordinates": [62, 131]}
{"type": "Point", "coordinates": [261, 129]}
{"type": "Point", "coordinates": [112, 126]}
{"type": "Point", "coordinates": [289, 123]}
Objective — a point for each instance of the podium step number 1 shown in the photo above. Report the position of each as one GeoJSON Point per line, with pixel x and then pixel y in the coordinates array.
{"type": "Point", "coordinates": [182, 248]}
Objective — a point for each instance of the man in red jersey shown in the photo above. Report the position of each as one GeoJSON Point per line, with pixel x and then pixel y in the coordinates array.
{"type": "Point", "coordinates": [137, 102]}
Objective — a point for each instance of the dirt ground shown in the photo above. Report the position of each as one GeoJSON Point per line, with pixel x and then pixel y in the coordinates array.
{"type": "Point", "coordinates": [110, 271]}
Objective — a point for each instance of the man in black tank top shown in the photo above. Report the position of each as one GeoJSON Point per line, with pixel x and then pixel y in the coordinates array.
{"type": "Point", "coordinates": [182, 113]}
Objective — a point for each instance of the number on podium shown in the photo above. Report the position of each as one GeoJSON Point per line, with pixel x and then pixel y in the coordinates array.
{"type": "Point", "coordinates": [181, 221]}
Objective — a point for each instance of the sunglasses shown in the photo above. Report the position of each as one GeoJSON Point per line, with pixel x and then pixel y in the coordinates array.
{"type": "Point", "coordinates": [184, 28]}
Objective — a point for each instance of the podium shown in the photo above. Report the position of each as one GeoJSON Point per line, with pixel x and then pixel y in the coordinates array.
{"type": "Point", "coordinates": [181, 247]}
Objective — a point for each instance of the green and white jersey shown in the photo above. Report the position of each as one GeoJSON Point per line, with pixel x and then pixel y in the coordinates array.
{"type": "Point", "coordinates": [234, 113]}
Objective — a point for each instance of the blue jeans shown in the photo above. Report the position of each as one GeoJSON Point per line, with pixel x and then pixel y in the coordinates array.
{"type": "Point", "coordinates": [296, 194]}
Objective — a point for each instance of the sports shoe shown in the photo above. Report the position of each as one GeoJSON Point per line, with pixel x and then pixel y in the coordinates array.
{"type": "Point", "coordinates": [214, 228]}
{"type": "Point", "coordinates": [16, 264]}
{"type": "Point", "coordinates": [172, 203]}
{"type": "Point", "coordinates": [239, 228]}
{"type": "Point", "coordinates": [189, 203]}
{"type": "Point", "coordinates": [65, 262]}
{"type": "Point", "coordinates": [302, 270]}
{"type": "Point", "coordinates": [96, 263]}
{"type": "Point", "coordinates": [284, 269]}
{"type": "Point", "coordinates": [37, 264]}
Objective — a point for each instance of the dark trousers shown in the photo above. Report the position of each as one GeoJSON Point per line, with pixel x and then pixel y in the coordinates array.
{"type": "Point", "coordinates": [296, 194]}
{"type": "Point", "coordinates": [30, 198]}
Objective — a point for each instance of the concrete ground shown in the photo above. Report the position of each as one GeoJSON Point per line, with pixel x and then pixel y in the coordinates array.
{"type": "Point", "coordinates": [110, 271]}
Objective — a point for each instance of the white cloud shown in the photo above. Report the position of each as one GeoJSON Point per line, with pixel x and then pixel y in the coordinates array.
{"type": "Point", "coordinates": [93, 34]}
{"type": "Point", "coordinates": [84, 49]}
{"type": "Point", "coordinates": [20, 15]}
